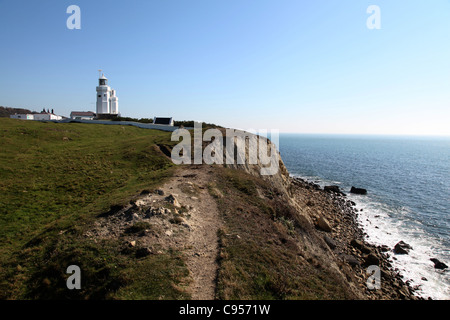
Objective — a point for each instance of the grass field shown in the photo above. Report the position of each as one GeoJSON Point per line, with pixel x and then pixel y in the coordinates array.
{"type": "Point", "coordinates": [54, 180]}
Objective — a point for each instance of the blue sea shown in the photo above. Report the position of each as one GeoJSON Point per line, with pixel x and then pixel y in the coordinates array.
{"type": "Point", "coordinates": [408, 183]}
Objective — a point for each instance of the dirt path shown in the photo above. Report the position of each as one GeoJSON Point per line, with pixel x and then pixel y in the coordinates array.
{"type": "Point", "coordinates": [190, 187]}
{"type": "Point", "coordinates": [190, 226]}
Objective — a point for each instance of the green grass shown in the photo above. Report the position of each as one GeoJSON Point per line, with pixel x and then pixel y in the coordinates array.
{"type": "Point", "coordinates": [54, 180]}
{"type": "Point", "coordinates": [169, 269]}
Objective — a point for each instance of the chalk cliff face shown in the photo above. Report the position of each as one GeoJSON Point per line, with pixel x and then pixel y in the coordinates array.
{"type": "Point", "coordinates": [267, 165]}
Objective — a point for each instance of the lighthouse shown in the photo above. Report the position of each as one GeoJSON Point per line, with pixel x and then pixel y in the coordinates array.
{"type": "Point", "coordinates": [107, 101]}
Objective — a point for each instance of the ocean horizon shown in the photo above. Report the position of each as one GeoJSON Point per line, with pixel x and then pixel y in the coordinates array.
{"type": "Point", "coordinates": [370, 135]}
{"type": "Point", "coordinates": [407, 178]}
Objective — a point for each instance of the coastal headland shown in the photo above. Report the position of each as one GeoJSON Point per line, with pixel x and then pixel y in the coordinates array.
{"type": "Point", "coordinates": [110, 200]}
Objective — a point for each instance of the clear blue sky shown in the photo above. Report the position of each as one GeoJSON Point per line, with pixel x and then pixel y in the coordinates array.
{"type": "Point", "coordinates": [296, 66]}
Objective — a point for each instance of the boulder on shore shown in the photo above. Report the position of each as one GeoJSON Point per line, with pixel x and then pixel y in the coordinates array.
{"type": "Point", "coordinates": [402, 248]}
{"type": "Point", "coordinates": [360, 245]}
{"type": "Point", "coordinates": [351, 260]}
{"type": "Point", "coordinates": [334, 189]}
{"type": "Point", "coordinates": [358, 191]}
{"type": "Point", "coordinates": [438, 264]}
{"type": "Point", "coordinates": [323, 224]}
{"type": "Point", "coordinates": [371, 259]}
{"type": "Point", "coordinates": [330, 242]}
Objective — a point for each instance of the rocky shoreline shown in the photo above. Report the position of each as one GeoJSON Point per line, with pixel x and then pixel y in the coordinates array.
{"type": "Point", "coordinates": [345, 238]}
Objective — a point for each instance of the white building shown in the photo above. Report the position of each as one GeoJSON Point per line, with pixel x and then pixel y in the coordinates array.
{"type": "Point", "coordinates": [36, 116]}
{"type": "Point", "coordinates": [46, 116]}
{"type": "Point", "coordinates": [107, 101]}
{"type": "Point", "coordinates": [82, 115]}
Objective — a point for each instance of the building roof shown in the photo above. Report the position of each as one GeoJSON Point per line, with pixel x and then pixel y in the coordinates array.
{"type": "Point", "coordinates": [165, 121]}
{"type": "Point", "coordinates": [83, 113]}
{"type": "Point", "coordinates": [103, 77]}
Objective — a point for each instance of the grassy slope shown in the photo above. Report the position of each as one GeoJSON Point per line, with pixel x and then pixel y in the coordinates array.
{"type": "Point", "coordinates": [265, 246]}
{"type": "Point", "coordinates": [56, 178]}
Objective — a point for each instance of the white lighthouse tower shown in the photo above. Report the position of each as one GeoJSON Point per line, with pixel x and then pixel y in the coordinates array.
{"type": "Point", "coordinates": [107, 101]}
